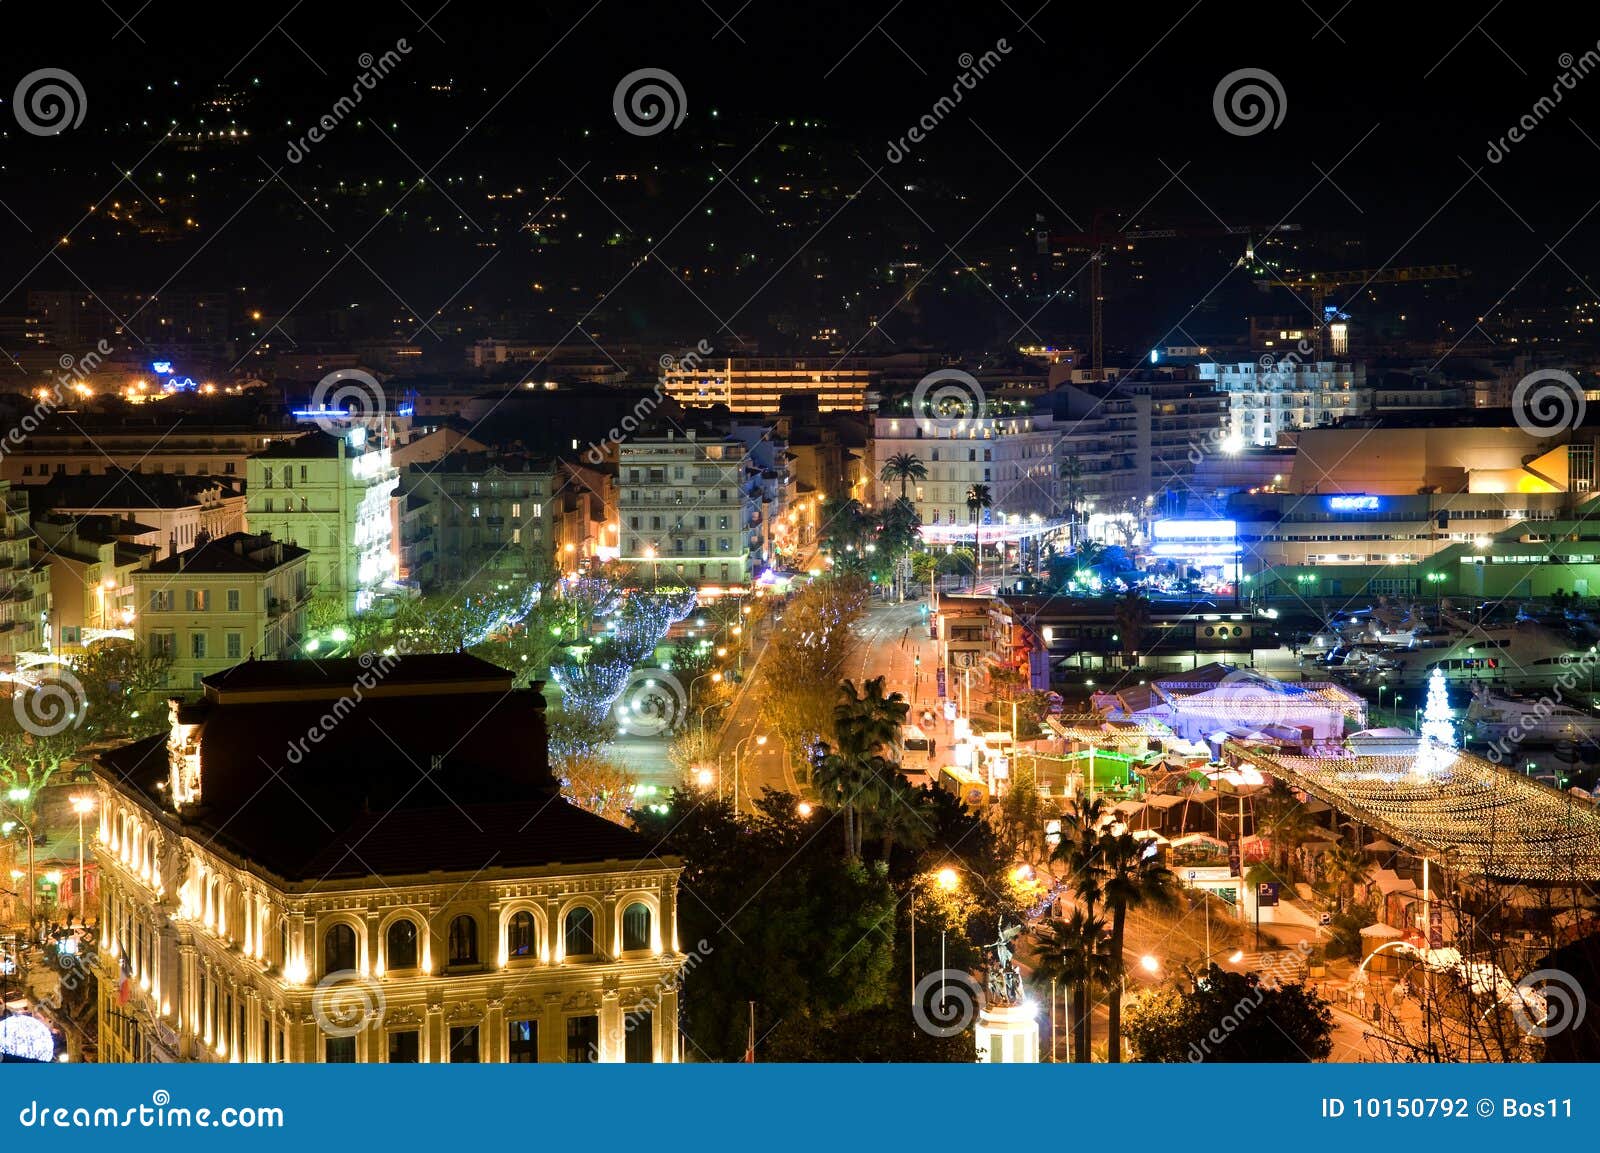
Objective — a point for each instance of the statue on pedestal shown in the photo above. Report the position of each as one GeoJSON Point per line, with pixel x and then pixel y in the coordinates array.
{"type": "Point", "coordinates": [1004, 978]}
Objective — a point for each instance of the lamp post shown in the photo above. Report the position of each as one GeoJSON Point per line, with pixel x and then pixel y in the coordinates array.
{"type": "Point", "coordinates": [949, 880]}
{"type": "Point", "coordinates": [716, 679]}
{"type": "Point", "coordinates": [82, 805]}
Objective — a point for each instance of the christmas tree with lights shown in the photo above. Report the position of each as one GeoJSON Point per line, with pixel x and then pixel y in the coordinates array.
{"type": "Point", "coordinates": [1436, 725]}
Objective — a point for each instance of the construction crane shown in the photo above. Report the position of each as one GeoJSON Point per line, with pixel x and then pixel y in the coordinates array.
{"type": "Point", "coordinates": [1099, 239]}
{"type": "Point", "coordinates": [1320, 285]}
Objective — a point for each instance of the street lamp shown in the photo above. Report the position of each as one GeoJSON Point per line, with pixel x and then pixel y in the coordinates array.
{"type": "Point", "coordinates": [949, 880]}
{"type": "Point", "coordinates": [82, 805]}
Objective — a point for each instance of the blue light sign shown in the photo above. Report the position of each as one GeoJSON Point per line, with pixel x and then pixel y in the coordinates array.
{"type": "Point", "coordinates": [1353, 504]}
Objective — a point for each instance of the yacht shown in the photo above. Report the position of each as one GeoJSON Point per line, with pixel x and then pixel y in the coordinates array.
{"type": "Point", "coordinates": [1523, 652]}
{"type": "Point", "coordinates": [1492, 716]}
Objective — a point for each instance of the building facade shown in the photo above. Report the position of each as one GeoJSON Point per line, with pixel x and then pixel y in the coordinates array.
{"type": "Point", "coordinates": [688, 508]}
{"type": "Point", "coordinates": [24, 584]}
{"type": "Point", "coordinates": [1014, 455]}
{"type": "Point", "coordinates": [488, 515]}
{"type": "Point", "coordinates": [1277, 395]}
{"type": "Point", "coordinates": [760, 384]}
{"type": "Point", "coordinates": [514, 927]}
{"type": "Point", "coordinates": [239, 597]}
{"type": "Point", "coordinates": [330, 495]}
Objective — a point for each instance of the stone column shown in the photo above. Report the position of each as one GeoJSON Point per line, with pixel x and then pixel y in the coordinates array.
{"type": "Point", "coordinates": [667, 1027]}
{"type": "Point", "coordinates": [492, 1041]}
{"type": "Point", "coordinates": [611, 1033]}
{"type": "Point", "coordinates": [552, 1031]}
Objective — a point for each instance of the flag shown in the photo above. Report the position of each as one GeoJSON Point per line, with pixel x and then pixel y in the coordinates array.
{"type": "Point", "coordinates": [124, 990]}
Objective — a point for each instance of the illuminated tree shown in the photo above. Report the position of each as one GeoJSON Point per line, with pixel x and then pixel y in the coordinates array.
{"type": "Point", "coordinates": [1436, 714]}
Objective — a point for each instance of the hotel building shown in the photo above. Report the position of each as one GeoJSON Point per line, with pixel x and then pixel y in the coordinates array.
{"type": "Point", "coordinates": [352, 862]}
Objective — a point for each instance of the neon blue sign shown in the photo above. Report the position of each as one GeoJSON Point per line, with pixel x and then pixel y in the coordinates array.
{"type": "Point", "coordinates": [164, 367]}
{"type": "Point", "coordinates": [1353, 504]}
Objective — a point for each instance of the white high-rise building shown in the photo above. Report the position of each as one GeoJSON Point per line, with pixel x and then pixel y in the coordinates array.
{"type": "Point", "coordinates": [1276, 395]}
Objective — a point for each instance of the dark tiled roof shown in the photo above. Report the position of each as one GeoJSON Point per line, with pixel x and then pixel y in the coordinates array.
{"type": "Point", "coordinates": [312, 446]}
{"type": "Point", "coordinates": [404, 776]}
{"type": "Point", "coordinates": [220, 556]}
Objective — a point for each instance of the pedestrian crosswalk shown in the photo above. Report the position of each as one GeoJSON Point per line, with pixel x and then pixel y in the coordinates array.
{"type": "Point", "coordinates": [1274, 966]}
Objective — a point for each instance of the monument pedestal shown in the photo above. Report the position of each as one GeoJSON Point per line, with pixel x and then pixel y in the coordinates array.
{"type": "Point", "coordinates": [1008, 1035]}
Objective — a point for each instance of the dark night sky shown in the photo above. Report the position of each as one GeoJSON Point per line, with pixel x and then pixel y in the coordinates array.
{"type": "Point", "coordinates": [1115, 98]}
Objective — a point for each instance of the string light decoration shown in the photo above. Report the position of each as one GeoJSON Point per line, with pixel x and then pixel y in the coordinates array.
{"type": "Point", "coordinates": [1465, 812]}
{"type": "Point", "coordinates": [1436, 715]}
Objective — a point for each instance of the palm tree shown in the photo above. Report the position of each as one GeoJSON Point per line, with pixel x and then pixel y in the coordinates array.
{"type": "Point", "coordinates": [1073, 952]}
{"type": "Point", "coordinates": [1132, 612]}
{"type": "Point", "coordinates": [1079, 847]}
{"type": "Point", "coordinates": [903, 466]}
{"type": "Point", "coordinates": [1346, 866]}
{"type": "Point", "coordinates": [979, 500]}
{"type": "Point", "coordinates": [1132, 876]}
{"type": "Point", "coordinates": [867, 726]}
{"type": "Point", "coordinates": [1284, 818]}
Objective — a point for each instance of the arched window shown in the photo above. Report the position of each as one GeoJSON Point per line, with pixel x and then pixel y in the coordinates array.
{"type": "Point", "coordinates": [520, 935]}
{"type": "Point", "coordinates": [580, 932]}
{"type": "Point", "coordinates": [339, 950]}
{"type": "Point", "coordinates": [400, 946]}
{"type": "Point", "coordinates": [463, 941]}
{"type": "Point", "coordinates": [283, 940]}
{"type": "Point", "coordinates": [636, 927]}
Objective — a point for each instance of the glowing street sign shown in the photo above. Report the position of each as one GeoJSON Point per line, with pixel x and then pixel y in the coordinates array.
{"type": "Point", "coordinates": [164, 367]}
{"type": "Point", "coordinates": [1353, 504]}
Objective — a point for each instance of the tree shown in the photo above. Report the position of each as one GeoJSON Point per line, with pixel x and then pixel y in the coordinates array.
{"type": "Point", "coordinates": [904, 467]}
{"type": "Point", "coordinates": [118, 682]}
{"type": "Point", "coordinates": [1346, 866]}
{"type": "Point", "coordinates": [858, 771]}
{"type": "Point", "coordinates": [599, 785]}
{"type": "Point", "coordinates": [1132, 877]}
{"type": "Point", "coordinates": [1079, 849]}
{"type": "Point", "coordinates": [1230, 1017]}
{"type": "Point", "coordinates": [979, 501]}
{"type": "Point", "coordinates": [1282, 817]}
{"type": "Point", "coordinates": [797, 682]}
{"type": "Point", "coordinates": [1074, 952]}
{"type": "Point", "coordinates": [1132, 613]}
{"type": "Point", "coordinates": [1436, 713]}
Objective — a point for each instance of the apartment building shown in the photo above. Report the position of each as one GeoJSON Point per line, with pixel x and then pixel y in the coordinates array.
{"type": "Point", "coordinates": [179, 509]}
{"type": "Point", "coordinates": [330, 495]}
{"type": "Point", "coordinates": [1013, 454]}
{"type": "Point", "coordinates": [24, 582]}
{"type": "Point", "coordinates": [171, 444]}
{"type": "Point", "coordinates": [688, 508]}
{"type": "Point", "coordinates": [238, 927]}
{"type": "Point", "coordinates": [760, 383]}
{"type": "Point", "coordinates": [488, 515]}
{"type": "Point", "coordinates": [91, 578]}
{"type": "Point", "coordinates": [239, 597]}
{"type": "Point", "coordinates": [1280, 394]}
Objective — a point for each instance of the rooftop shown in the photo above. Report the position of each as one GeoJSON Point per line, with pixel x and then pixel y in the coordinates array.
{"type": "Point", "coordinates": [238, 552]}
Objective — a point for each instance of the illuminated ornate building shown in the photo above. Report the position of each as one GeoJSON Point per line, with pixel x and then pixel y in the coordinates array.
{"type": "Point", "coordinates": [369, 862]}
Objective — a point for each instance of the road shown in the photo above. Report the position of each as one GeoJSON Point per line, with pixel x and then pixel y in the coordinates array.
{"type": "Point", "coordinates": [890, 637]}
